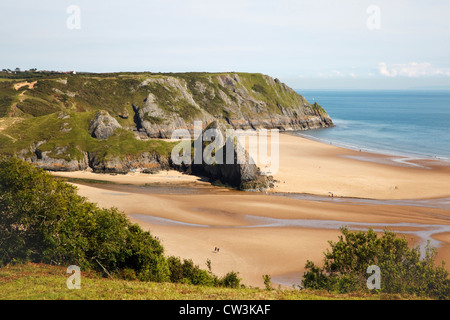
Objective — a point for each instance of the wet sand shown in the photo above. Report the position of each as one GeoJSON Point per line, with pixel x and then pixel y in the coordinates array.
{"type": "Point", "coordinates": [276, 234]}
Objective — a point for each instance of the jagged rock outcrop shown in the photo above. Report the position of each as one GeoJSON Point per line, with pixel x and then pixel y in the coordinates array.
{"type": "Point", "coordinates": [46, 162]}
{"type": "Point", "coordinates": [173, 108]}
{"type": "Point", "coordinates": [57, 162]}
{"type": "Point", "coordinates": [145, 162]}
{"type": "Point", "coordinates": [237, 169]}
{"type": "Point", "coordinates": [103, 125]}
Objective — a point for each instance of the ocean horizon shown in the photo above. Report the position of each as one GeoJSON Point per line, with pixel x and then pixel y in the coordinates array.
{"type": "Point", "coordinates": [410, 123]}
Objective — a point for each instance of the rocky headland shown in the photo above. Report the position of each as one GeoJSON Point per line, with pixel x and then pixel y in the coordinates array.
{"type": "Point", "coordinates": [115, 123]}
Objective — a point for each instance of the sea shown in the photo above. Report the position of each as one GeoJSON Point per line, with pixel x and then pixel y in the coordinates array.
{"type": "Point", "coordinates": [409, 123]}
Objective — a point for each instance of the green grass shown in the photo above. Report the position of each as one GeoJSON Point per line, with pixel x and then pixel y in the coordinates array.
{"type": "Point", "coordinates": [7, 97]}
{"type": "Point", "coordinates": [48, 129]}
{"type": "Point", "coordinates": [256, 84]}
{"type": "Point", "coordinates": [213, 104]}
{"type": "Point", "coordinates": [318, 108]}
{"type": "Point", "coordinates": [80, 93]}
{"type": "Point", "coordinates": [36, 107]}
{"type": "Point", "coordinates": [44, 282]}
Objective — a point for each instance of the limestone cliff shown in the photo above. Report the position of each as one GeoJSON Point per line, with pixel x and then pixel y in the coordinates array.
{"type": "Point", "coordinates": [241, 172]}
{"type": "Point", "coordinates": [258, 101]}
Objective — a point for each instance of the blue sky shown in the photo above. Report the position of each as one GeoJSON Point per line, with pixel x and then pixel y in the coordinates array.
{"type": "Point", "coordinates": [347, 44]}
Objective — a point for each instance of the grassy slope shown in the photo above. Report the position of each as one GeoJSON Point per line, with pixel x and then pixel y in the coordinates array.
{"type": "Point", "coordinates": [43, 282]}
{"type": "Point", "coordinates": [48, 128]}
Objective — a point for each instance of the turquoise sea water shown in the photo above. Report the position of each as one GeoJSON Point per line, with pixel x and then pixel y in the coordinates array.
{"type": "Point", "coordinates": [407, 123]}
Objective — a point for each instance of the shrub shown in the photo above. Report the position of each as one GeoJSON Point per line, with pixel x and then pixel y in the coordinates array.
{"type": "Point", "coordinates": [231, 280]}
{"type": "Point", "coordinates": [267, 282]}
{"type": "Point", "coordinates": [402, 269]}
{"type": "Point", "coordinates": [187, 272]}
{"type": "Point", "coordinates": [42, 219]}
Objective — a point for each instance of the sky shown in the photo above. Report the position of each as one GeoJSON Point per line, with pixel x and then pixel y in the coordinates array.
{"type": "Point", "coordinates": [308, 44]}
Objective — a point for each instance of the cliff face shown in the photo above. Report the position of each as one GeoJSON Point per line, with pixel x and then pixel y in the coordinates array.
{"type": "Point", "coordinates": [109, 122]}
{"type": "Point", "coordinates": [240, 173]}
{"type": "Point", "coordinates": [256, 101]}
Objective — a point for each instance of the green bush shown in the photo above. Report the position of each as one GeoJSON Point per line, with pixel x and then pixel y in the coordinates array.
{"type": "Point", "coordinates": [402, 269]}
{"type": "Point", "coordinates": [187, 272]}
{"type": "Point", "coordinates": [42, 219]}
{"type": "Point", "coordinates": [231, 280]}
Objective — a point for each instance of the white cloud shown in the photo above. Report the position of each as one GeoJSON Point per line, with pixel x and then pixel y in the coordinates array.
{"type": "Point", "coordinates": [411, 70]}
{"type": "Point", "coordinates": [382, 68]}
{"type": "Point", "coordinates": [333, 74]}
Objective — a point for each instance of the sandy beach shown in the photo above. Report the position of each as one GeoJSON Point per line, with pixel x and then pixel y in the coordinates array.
{"type": "Point", "coordinates": [275, 233]}
{"type": "Point", "coordinates": [307, 166]}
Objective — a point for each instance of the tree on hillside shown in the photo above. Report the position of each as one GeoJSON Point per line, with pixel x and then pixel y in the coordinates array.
{"type": "Point", "coordinates": [43, 219]}
{"type": "Point", "coordinates": [402, 269]}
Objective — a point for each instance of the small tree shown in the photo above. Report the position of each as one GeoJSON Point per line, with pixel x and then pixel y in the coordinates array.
{"type": "Point", "coordinates": [267, 282]}
{"type": "Point", "coordinates": [402, 268]}
{"type": "Point", "coordinates": [231, 280]}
